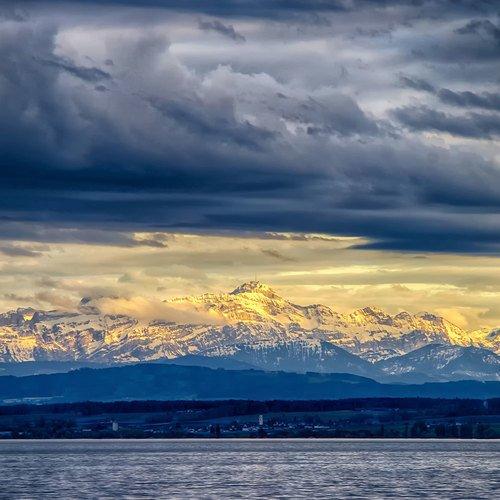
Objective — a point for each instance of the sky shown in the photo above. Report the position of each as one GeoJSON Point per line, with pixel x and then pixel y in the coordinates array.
{"type": "Point", "coordinates": [345, 152]}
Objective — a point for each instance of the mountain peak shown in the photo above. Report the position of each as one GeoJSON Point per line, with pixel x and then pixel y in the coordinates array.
{"type": "Point", "coordinates": [254, 287]}
{"type": "Point", "coordinates": [88, 305]}
{"type": "Point", "coordinates": [370, 312]}
{"type": "Point", "coordinates": [373, 311]}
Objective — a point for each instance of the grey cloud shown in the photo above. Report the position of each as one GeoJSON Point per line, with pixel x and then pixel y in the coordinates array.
{"type": "Point", "coordinates": [475, 43]}
{"type": "Point", "coordinates": [15, 297]}
{"type": "Point", "coordinates": [417, 84]}
{"type": "Point", "coordinates": [16, 251]}
{"type": "Point", "coordinates": [278, 9]}
{"type": "Point", "coordinates": [126, 278]}
{"type": "Point", "coordinates": [336, 114]}
{"type": "Point", "coordinates": [440, 245]}
{"type": "Point", "coordinates": [273, 9]}
{"type": "Point", "coordinates": [195, 116]}
{"type": "Point", "coordinates": [157, 240]}
{"type": "Point", "coordinates": [269, 235]}
{"type": "Point", "coordinates": [29, 231]}
{"type": "Point", "coordinates": [295, 237]}
{"type": "Point", "coordinates": [339, 114]}
{"type": "Point", "coordinates": [276, 255]}
{"type": "Point", "coordinates": [84, 73]}
{"type": "Point", "coordinates": [47, 282]}
{"type": "Point", "coordinates": [184, 145]}
{"type": "Point", "coordinates": [225, 30]}
{"type": "Point", "coordinates": [12, 13]}
{"type": "Point", "coordinates": [466, 99]}
{"type": "Point", "coordinates": [480, 27]}
{"type": "Point", "coordinates": [473, 125]}
{"type": "Point", "coordinates": [55, 299]}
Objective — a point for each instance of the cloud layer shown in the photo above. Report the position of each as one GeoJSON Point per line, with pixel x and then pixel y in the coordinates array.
{"type": "Point", "coordinates": [369, 119]}
{"type": "Point", "coordinates": [305, 268]}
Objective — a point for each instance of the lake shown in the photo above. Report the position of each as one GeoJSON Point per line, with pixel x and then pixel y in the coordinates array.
{"type": "Point", "coordinates": [250, 469]}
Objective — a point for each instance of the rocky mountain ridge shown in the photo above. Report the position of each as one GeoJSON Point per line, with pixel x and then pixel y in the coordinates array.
{"type": "Point", "coordinates": [252, 313]}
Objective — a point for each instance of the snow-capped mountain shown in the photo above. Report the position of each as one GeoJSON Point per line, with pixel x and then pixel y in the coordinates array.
{"type": "Point", "coordinates": [434, 362]}
{"type": "Point", "coordinates": [445, 362]}
{"type": "Point", "coordinates": [296, 356]}
{"type": "Point", "coordinates": [253, 315]}
{"type": "Point", "coordinates": [490, 339]}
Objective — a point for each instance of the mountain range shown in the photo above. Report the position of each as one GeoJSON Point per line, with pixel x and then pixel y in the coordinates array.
{"type": "Point", "coordinates": [254, 327]}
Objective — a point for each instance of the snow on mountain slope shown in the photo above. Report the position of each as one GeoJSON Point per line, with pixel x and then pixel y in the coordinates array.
{"type": "Point", "coordinates": [296, 356]}
{"type": "Point", "coordinates": [254, 302]}
{"type": "Point", "coordinates": [490, 339]}
{"type": "Point", "coordinates": [60, 336]}
{"type": "Point", "coordinates": [250, 314]}
{"type": "Point", "coordinates": [368, 332]}
{"type": "Point", "coordinates": [444, 361]}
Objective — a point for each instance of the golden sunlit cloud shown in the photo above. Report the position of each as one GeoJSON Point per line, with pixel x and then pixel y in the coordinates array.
{"type": "Point", "coordinates": [305, 268]}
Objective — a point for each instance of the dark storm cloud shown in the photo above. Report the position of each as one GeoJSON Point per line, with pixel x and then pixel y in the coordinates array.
{"type": "Point", "coordinates": [88, 74]}
{"type": "Point", "coordinates": [341, 115]}
{"type": "Point", "coordinates": [451, 245]}
{"type": "Point", "coordinates": [281, 8]}
{"type": "Point", "coordinates": [43, 232]}
{"type": "Point", "coordinates": [417, 84]}
{"type": "Point", "coordinates": [474, 125]}
{"type": "Point", "coordinates": [161, 142]}
{"type": "Point", "coordinates": [250, 8]}
{"type": "Point", "coordinates": [463, 99]}
{"type": "Point", "coordinates": [219, 27]}
{"type": "Point", "coordinates": [193, 116]}
{"type": "Point", "coordinates": [468, 99]}
{"type": "Point", "coordinates": [480, 27]}
{"type": "Point", "coordinates": [476, 42]}
{"type": "Point", "coordinates": [12, 13]}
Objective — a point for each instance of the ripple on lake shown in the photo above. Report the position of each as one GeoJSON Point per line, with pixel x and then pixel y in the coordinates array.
{"type": "Point", "coordinates": [249, 469]}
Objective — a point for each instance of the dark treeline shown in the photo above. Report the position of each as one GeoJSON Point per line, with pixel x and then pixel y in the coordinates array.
{"type": "Point", "coordinates": [449, 407]}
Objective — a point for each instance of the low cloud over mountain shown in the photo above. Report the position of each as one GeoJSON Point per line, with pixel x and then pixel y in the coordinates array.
{"type": "Point", "coordinates": [252, 326]}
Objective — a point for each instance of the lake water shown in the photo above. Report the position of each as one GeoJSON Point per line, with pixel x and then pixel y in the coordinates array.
{"type": "Point", "coordinates": [250, 469]}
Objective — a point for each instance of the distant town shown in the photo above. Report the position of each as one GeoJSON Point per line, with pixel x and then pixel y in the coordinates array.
{"type": "Point", "coordinates": [350, 418]}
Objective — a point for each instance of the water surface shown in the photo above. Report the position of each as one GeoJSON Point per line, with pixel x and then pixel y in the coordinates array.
{"type": "Point", "coordinates": [250, 469]}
